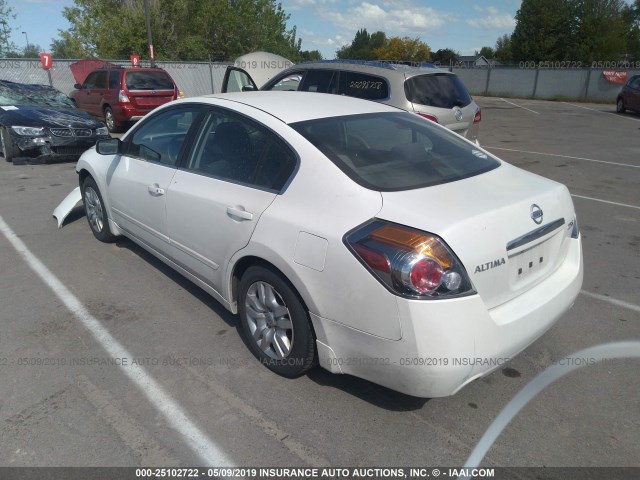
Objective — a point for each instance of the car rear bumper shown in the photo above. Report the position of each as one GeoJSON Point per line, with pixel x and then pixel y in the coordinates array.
{"type": "Point", "coordinates": [447, 344]}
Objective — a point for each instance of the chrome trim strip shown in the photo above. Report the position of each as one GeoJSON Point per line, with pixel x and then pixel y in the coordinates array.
{"type": "Point", "coordinates": [535, 234]}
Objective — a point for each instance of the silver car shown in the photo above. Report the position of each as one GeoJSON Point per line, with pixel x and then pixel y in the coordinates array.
{"type": "Point", "coordinates": [433, 93]}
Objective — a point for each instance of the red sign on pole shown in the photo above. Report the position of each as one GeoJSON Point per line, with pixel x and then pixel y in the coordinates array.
{"type": "Point", "coordinates": [135, 60]}
{"type": "Point", "coordinates": [615, 76]}
{"type": "Point", "coordinates": [46, 60]}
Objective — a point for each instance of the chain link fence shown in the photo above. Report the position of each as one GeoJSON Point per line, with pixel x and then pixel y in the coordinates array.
{"type": "Point", "coordinates": [193, 78]}
{"type": "Point", "coordinates": [201, 78]}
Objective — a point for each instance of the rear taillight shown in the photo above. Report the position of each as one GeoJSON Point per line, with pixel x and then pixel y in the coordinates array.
{"type": "Point", "coordinates": [478, 116]}
{"type": "Point", "coordinates": [409, 262]}
{"type": "Point", "coordinates": [122, 97]}
{"type": "Point", "coordinates": [428, 117]}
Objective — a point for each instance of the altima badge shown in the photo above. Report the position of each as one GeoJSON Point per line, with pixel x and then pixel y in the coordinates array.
{"type": "Point", "coordinates": [536, 214]}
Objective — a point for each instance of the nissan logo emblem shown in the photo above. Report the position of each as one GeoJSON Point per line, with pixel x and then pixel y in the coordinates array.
{"type": "Point", "coordinates": [536, 214]}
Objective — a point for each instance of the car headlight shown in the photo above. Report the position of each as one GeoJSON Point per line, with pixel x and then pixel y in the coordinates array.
{"type": "Point", "coordinates": [102, 131]}
{"type": "Point", "coordinates": [29, 131]}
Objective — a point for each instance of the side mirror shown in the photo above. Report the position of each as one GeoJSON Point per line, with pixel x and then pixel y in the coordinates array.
{"type": "Point", "coordinates": [248, 88]}
{"type": "Point", "coordinates": [77, 86]}
{"type": "Point", "coordinates": [109, 146]}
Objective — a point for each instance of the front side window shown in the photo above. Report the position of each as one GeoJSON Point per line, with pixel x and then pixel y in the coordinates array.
{"type": "Point", "coordinates": [441, 90]}
{"type": "Point", "coordinates": [92, 80]}
{"type": "Point", "coordinates": [234, 148]}
{"type": "Point", "coordinates": [395, 151]}
{"type": "Point", "coordinates": [321, 81]}
{"type": "Point", "coordinates": [289, 82]}
{"type": "Point", "coordinates": [160, 138]}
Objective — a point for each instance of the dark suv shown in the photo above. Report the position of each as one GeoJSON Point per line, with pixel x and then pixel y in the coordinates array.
{"type": "Point", "coordinates": [121, 96]}
{"type": "Point", "coordinates": [629, 96]}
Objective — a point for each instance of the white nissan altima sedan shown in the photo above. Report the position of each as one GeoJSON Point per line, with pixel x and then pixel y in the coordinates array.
{"type": "Point", "coordinates": [344, 233]}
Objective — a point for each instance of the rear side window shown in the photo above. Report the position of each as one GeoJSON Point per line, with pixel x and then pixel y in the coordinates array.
{"type": "Point", "coordinates": [148, 81]}
{"type": "Point", "coordinates": [114, 80]}
{"type": "Point", "coordinates": [365, 86]}
{"type": "Point", "coordinates": [439, 90]}
{"type": "Point", "coordinates": [395, 151]}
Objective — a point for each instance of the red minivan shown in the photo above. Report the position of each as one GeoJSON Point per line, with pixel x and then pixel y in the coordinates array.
{"type": "Point", "coordinates": [121, 96]}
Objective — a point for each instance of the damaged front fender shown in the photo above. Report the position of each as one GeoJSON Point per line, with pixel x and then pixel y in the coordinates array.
{"type": "Point", "coordinates": [67, 205]}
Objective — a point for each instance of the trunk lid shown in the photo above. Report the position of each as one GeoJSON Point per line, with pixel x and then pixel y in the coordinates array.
{"type": "Point", "coordinates": [488, 221]}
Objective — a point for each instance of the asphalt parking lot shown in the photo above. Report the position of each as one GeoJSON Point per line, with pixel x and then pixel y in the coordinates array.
{"type": "Point", "coordinates": [71, 396]}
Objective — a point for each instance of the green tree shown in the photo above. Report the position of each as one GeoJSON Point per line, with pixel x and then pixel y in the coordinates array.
{"type": "Point", "coordinates": [407, 48]}
{"type": "Point", "coordinates": [182, 29]}
{"type": "Point", "coordinates": [310, 55]}
{"type": "Point", "coordinates": [543, 30]}
{"type": "Point", "coordinates": [445, 56]}
{"type": "Point", "coordinates": [486, 52]}
{"type": "Point", "coordinates": [7, 47]}
{"type": "Point", "coordinates": [631, 18]}
{"type": "Point", "coordinates": [363, 45]}
{"type": "Point", "coordinates": [599, 30]}
{"type": "Point", "coordinates": [32, 51]}
{"type": "Point", "coordinates": [503, 51]}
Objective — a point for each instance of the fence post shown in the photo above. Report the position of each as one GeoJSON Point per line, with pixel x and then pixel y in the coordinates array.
{"type": "Point", "coordinates": [586, 87]}
{"type": "Point", "coordinates": [535, 83]}
{"type": "Point", "coordinates": [486, 87]}
{"type": "Point", "coordinates": [211, 76]}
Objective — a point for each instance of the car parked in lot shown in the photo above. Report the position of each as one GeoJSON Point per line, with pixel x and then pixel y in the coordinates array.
{"type": "Point", "coordinates": [39, 123]}
{"type": "Point", "coordinates": [121, 96]}
{"type": "Point", "coordinates": [629, 96]}
{"type": "Point", "coordinates": [433, 93]}
{"type": "Point", "coordinates": [346, 233]}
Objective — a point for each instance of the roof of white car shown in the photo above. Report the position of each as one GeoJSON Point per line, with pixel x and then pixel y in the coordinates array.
{"type": "Point", "coordinates": [291, 107]}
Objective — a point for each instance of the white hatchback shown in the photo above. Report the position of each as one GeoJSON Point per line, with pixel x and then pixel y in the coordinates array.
{"type": "Point", "coordinates": [345, 233]}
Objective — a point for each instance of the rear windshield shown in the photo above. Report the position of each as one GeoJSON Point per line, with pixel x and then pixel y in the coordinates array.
{"type": "Point", "coordinates": [395, 151]}
{"type": "Point", "coordinates": [441, 90]}
{"type": "Point", "coordinates": [148, 81]}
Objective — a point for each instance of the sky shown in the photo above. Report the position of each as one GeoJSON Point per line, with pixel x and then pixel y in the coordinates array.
{"type": "Point", "coordinates": [326, 25]}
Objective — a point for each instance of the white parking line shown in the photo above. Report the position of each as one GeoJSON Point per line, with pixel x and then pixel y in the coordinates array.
{"type": "Point", "coordinates": [520, 106]}
{"type": "Point", "coordinates": [617, 115]}
{"type": "Point", "coordinates": [207, 451]}
{"type": "Point", "coordinates": [564, 156]}
{"type": "Point", "coordinates": [606, 201]}
{"type": "Point", "coordinates": [613, 301]}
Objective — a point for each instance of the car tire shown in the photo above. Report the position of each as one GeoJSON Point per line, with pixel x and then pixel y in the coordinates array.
{"type": "Point", "coordinates": [276, 323]}
{"type": "Point", "coordinates": [110, 121]}
{"type": "Point", "coordinates": [620, 108]}
{"type": "Point", "coordinates": [96, 211]}
{"type": "Point", "coordinates": [9, 149]}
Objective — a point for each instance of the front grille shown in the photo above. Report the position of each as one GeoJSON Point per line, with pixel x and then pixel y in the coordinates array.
{"type": "Point", "coordinates": [82, 132]}
{"type": "Point", "coordinates": [68, 150]}
{"type": "Point", "coordinates": [62, 132]}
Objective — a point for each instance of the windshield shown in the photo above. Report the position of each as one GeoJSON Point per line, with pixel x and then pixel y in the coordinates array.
{"type": "Point", "coordinates": [25, 94]}
{"type": "Point", "coordinates": [148, 81]}
{"type": "Point", "coordinates": [441, 90]}
{"type": "Point", "coordinates": [395, 151]}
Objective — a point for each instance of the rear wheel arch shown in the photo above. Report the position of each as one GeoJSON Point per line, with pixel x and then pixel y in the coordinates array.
{"type": "Point", "coordinates": [243, 264]}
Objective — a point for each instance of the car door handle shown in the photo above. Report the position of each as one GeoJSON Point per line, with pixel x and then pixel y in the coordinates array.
{"type": "Point", "coordinates": [155, 190]}
{"type": "Point", "coordinates": [239, 212]}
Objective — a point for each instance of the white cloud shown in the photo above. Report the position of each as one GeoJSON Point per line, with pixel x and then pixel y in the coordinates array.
{"type": "Point", "coordinates": [494, 19]}
{"type": "Point", "coordinates": [397, 18]}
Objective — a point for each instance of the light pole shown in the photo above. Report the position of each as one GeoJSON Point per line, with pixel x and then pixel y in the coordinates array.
{"type": "Point", "coordinates": [147, 18]}
{"type": "Point", "coordinates": [26, 36]}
